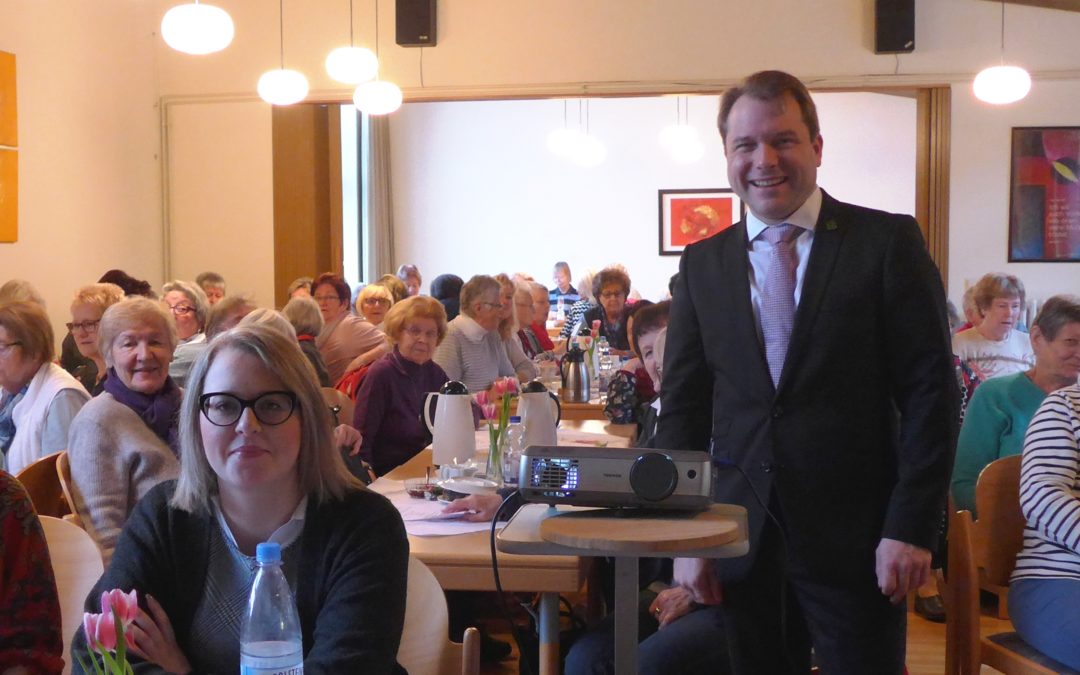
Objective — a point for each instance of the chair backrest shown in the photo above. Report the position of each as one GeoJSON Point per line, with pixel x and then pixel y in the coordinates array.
{"type": "Point", "coordinates": [998, 534]}
{"type": "Point", "coordinates": [77, 566]}
{"type": "Point", "coordinates": [41, 482]}
{"type": "Point", "coordinates": [346, 407]}
{"type": "Point", "coordinates": [63, 474]}
{"type": "Point", "coordinates": [425, 648]}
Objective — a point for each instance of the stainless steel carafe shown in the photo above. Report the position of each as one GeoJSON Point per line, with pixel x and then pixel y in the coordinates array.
{"type": "Point", "coordinates": [575, 377]}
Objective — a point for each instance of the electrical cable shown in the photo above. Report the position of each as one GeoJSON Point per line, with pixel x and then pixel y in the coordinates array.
{"type": "Point", "coordinates": [522, 657]}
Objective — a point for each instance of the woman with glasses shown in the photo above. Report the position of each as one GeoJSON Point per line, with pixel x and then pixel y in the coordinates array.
{"type": "Point", "coordinates": [86, 309]}
{"type": "Point", "coordinates": [524, 368]}
{"type": "Point", "coordinates": [258, 463]}
{"type": "Point", "coordinates": [391, 396]}
{"type": "Point", "coordinates": [190, 309]}
{"type": "Point", "coordinates": [611, 287]}
{"type": "Point", "coordinates": [373, 303]}
{"type": "Point", "coordinates": [473, 350]}
{"type": "Point", "coordinates": [38, 399]}
{"type": "Point", "coordinates": [346, 341]}
{"type": "Point", "coordinates": [125, 441]}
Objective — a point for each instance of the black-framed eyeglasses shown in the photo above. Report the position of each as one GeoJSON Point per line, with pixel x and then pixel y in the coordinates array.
{"type": "Point", "coordinates": [271, 408]}
{"type": "Point", "coordinates": [88, 326]}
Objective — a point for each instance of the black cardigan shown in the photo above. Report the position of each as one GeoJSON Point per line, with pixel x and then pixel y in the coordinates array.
{"type": "Point", "coordinates": [350, 587]}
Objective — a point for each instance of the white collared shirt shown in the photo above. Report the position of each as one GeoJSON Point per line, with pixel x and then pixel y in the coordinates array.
{"type": "Point", "coordinates": [284, 535]}
{"type": "Point", "coordinates": [759, 250]}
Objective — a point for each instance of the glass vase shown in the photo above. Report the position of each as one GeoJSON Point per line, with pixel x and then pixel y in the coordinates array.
{"type": "Point", "coordinates": [494, 470]}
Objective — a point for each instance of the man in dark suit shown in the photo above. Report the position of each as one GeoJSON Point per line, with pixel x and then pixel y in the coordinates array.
{"type": "Point", "coordinates": [808, 346]}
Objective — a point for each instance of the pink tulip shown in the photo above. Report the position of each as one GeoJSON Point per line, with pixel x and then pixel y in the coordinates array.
{"type": "Point", "coordinates": [489, 410]}
{"type": "Point", "coordinates": [125, 605]}
{"type": "Point", "coordinates": [482, 398]}
{"type": "Point", "coordinates": [512, 385]}
{"type": "Point", "coordinates": [100, 631]}
{"type": "Point", "coordinates": [499, 387]}
{"type": "Point", "coordinates": [595, 326]}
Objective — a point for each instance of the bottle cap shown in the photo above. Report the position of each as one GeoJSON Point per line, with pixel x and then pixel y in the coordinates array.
{"type": "Point", "coordinates": [268, 552]}
{"type": "Point", "coordinates": [515, 419]}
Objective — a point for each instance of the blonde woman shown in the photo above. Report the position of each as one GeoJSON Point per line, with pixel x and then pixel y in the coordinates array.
{"type": "Point", "coordinates": [87, 308]}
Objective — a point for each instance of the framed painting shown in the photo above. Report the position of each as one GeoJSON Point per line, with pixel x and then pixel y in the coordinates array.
{"type": "Point", "coordinates": [9, 154]}
{"type": "Point", "coordinates": [1044, 195]}
{"type": "Point", "coordinates": [688, 216]}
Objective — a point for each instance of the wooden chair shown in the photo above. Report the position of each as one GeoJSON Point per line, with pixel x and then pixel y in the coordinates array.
{"type": "Point", "coordinates": [41, 481]}
{"type": "Point", "coordinates": [76, 562]}
{"type": "Point", "coordinates": [424, 650]}
{"type": "Point", "coordinates": [344, 408]}
{"type": "Point", "coordinates": [63, 473]}
{"type": "Point", "coordinates": [990, 544]}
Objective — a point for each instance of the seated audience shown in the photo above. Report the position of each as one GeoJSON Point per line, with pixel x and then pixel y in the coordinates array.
{"type": "Point", "coordinates": [391, 397]}
{"type": "Point", "coordinates": [124, 442]}
{"type": "Point", "coordinates": [524, 368]}
{"type": "Point", "coordinates": [38, 399]}
{"type": "Point", "coordinates": [1001, 408]}
{"type": "Point", "coordinates": [258, 464]}
{"type": "Point", "coordinates": [372, 304]}
{"type": "Point", "coordinates": [30, 639]}
{"type": "Point", "coordinates": [396, 286]}
{"type": "Point", "coordinates": [87, 308]}
{"type": "Point", "coordinates": [213, 284]}
{"type": "Point", "coordinates": [971, 311]}
{"type": "Point", "coordinates": [446, 288]}
{"type": "Point", "coordinates": [574, 324]}
{"type": "Point", "coordinates": [300, 288]}
{"type": "Point", "coordinates": [531, 307]}
{"type": "Point", "coordinates": [625, 397]}
{"type": "Point", "coordinates": [563, 295]}
{"type": "Point", "coordinates": [190, 310]}
{"type": "Point", "coordinates": [611, 287]}
{"type": "Point", "coordinates": [346, 341]}
{"type": "Point", "coordinates": [473, 352]}
{"type": "Point", "coordinates": [410, 276]}
{"type": "Point", "coordinates": [995, 346]}
{"type": "Point", "coordinates": [20, 289]}
{"type": "Point", "coordinates": [1044, 591]}
{"type": "Point", "coordinates": [307, 321]}
{"type": "Point", "coordinates": [227, 314]}
{"type": "Point", "coordinates": [71, 359]}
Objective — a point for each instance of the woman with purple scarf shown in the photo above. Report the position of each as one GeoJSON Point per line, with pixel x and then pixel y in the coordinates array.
{"type": "Point", "coordinates": [124, 442]}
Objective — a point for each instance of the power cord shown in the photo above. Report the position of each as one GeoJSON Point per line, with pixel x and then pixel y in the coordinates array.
{"type": "Point", "coordinates": [524, 659]}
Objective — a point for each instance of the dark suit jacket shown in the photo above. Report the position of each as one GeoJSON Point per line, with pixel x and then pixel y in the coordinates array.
{"type": "Point", "coordinates": [856, 442]}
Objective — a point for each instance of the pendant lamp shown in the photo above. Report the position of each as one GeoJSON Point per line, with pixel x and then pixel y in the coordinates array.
{"type": "Point", "coordinates": [282, 86]}
{"type": "Point", "coordinates": [1002, 84]}
{"type": "Point", "coordinates": [352, 64]}
{"type": "Point", "coordinates": [197, 28]}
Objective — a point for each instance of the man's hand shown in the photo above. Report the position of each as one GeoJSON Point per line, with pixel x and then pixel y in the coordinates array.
{"type": "Point", "coordinates": [155, 641]}
{"type": "Point", "coordinates": [478, 508]}
{"type": "Point", "coordinates": [348, 438]}
{"type": "Point", "coordinates": [901, 568]}
{"type": "Point", "coordinates": [671, 603]}
{"type": "Point", "coordinates": [697, 576]}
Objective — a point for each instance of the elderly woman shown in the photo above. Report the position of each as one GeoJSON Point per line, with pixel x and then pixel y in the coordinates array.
{"type": "Point", "coordinates": [124, 441]}
{"type": "Point", "coordinates": [346, 341]}
{"type": "Point", "coordinates": [190, 310]}
{"type": "Point", "coordinates": [577, 310]}
{"type": "Point", "coordinates": [995, 346]}
{"type": "Point", "coordinates": [307, 321]}
{"type": "Point", "coordinates": [390, 398]}
{"type": "Point", "coordinates": [1001, 408]}
{"type": "Point", "coordinates": [530, 307]}
{"type": "Point", "coordinates": [373, 302]}
{"type": "Point", "coordinates": [473, 351]}
{"type": "Point", "coordinates": [396, 286]}
{"type": "Point", "coordinates": [300, 288]}
{"type": "Point", "coordinates": [213, 284]}
{"type": "Point", "coordinates": [611, 287]}
{"type": "Point", "coordinates": [38, 399]}
{"type": "Point", "coordinates": [227, 314]}
{"type": "Point", "coordinates": [87, 308]}
{"type": "Point", "coordinates": [410, 276]}
{"type": "Point", "coordinates": [524, 368]}
{"type": "Point", "coordinates": [258, 464]}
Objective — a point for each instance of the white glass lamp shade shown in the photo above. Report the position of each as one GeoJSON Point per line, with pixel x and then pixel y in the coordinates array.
{"type": "Point", "coordinates": [563, 142]}
{"type": "Point", "coordinates": [378, 97]}
{"type": "Point", "coordinates": [1002, 84]}
{"type": "Point", "coordinates": [590, 151]}
{"type": "Point", "coordinates": [282, 87]}
{"type": "Point", "coordinates": [352, 65]}
{"type": "Point", "coordinates": [197, 28]}
{"type": "Point", "coordinates": [682, 143]}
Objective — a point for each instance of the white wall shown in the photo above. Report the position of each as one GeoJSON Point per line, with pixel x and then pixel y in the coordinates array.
{"type": "Point", "coordinates": [979, 200]}
{"type": "Point", "coordinates": [476, 190]}
{"type": "Point", "coordinates": [89, 195]}
{"type": "Point", "coordinates": [221, 195]}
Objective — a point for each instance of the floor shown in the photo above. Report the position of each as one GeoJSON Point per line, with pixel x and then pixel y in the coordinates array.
{"type": "Point", "coordinates": [925, 654]}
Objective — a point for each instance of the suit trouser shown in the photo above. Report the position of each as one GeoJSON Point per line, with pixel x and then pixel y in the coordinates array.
{"type": "Point", "coordinates": [853, 630]}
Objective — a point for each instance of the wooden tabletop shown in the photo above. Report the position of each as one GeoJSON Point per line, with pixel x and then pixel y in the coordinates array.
{"type": "Point", "coordinates": [627, 530]}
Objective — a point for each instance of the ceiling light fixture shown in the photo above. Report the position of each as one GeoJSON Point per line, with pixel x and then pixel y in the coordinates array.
{"type": "Point", "coordinates": [680, 139]}
{"type": "Point", "coordinates": [590, 151]}
{"type": "Point", "coordinates": [282, 86]}
{"type": "Point", "coordinates": [196, 28]}
{"type": "Point", "coordinates": [1002, 84]}
{"type": "Point", "coordinates": [352, 64]}
{"type": "Point", "coordinates": [377, 97]}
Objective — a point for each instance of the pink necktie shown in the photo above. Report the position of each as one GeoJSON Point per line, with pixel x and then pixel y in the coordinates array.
{"type": "Point", "coordinates": [778, 295]}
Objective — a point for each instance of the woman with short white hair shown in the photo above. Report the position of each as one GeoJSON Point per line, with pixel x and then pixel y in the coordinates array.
{"type": "Point", "coordinates": [473, 351]}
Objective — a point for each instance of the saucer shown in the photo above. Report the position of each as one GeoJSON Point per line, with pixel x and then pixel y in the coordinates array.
{"type": "Point", "coordinates": [472, 485]}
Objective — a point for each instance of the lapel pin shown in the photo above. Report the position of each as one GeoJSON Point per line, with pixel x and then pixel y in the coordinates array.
{"type": "Point", "coordinates": [831, 225]}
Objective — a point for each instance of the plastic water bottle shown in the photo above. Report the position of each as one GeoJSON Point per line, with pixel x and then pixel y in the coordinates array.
{"type": "Point", "coordinates": [513, 440]}
{"type": "Point", "coordinates": [606, 366]}
{"type": "Point", "coordinates": [270, 639]}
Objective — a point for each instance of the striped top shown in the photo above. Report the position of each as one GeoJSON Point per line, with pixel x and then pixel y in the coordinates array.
{"type": "Point", "coordinates": [1050, 490]}
{"type": "Point", "coordinates": [473, 355]}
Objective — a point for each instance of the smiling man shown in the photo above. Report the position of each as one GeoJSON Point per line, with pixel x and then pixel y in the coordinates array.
{"type": "Point", "coordinates": [808, 346]}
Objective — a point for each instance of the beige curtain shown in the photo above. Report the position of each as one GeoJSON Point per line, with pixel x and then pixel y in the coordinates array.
{"type": "Point", "coordinates": [379, 252]}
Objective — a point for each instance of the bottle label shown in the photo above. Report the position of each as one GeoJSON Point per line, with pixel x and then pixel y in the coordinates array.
{"type": "Point", "coordinates": [298, 669]}
{"type": "Point", "coordinates": [271, 658]}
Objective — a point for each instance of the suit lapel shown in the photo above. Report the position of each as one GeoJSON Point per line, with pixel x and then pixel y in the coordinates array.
{"type": "Point", "coordinates": [828, 236]}
{"type": "Point", "coordinates": [735, 265]}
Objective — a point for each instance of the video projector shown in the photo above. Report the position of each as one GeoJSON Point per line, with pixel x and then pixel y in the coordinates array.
{"type": "Point", "coordinates": [616, 477]}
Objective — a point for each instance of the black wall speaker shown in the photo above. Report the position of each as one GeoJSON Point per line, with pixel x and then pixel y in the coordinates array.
{"type": "Point", "coordinates": [894, 26]}
{"type": "Point", "coordinates": [415, 23]}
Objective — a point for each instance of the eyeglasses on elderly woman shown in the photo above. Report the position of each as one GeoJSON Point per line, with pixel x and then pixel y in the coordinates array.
{"type": "Point", "coordinates": [271, 408]}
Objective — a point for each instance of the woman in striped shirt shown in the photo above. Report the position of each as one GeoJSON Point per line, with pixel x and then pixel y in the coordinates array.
{"type": "Point", "coordinates": [1044, 594]}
